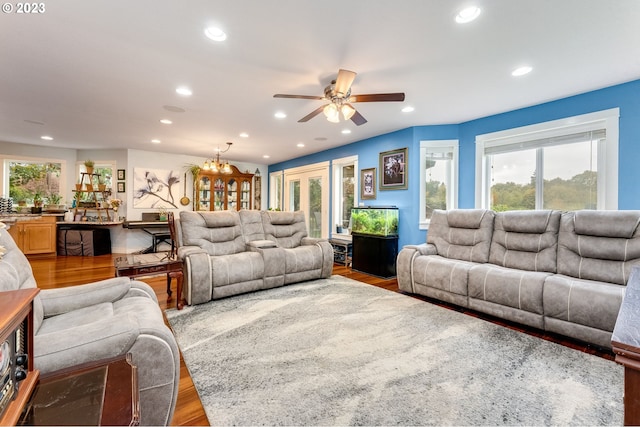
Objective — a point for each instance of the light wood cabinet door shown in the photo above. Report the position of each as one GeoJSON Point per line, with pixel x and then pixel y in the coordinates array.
{"type": "Point", "coordinates": [35, 236]}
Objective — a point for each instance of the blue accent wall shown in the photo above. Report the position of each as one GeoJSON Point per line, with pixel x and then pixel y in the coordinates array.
{"type": "Point", "coordinates": [625, 96]}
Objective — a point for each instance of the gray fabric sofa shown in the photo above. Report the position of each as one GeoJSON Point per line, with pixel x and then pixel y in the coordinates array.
{"type": "Point", "coordinates": [563, 272]}
{"type": "Point", "coordinates": [101, 320]}
{"type": "Point", "coordinates": [226, 253]}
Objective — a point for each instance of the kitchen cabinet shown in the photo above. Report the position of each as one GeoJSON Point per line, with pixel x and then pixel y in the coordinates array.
{"type": "Point", "coordinates": [35, 236]}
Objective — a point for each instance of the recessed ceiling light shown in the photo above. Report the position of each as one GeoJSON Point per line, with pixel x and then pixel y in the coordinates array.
{"type": "Point", "coordinates": [521, 71]}
{"type": "Point", "coordinates": [46, 138]}
{"type": "Point", "coordinates": [280, 115]}
{"type": "Point", "coordinates": [346, 131]}
{"type": "Point", "coordinates": [215, 34]}
{"type": "Point", "coordinates": [300, 145]}
{"type": "Point", "coordinates": [467, 15]}
{"type": "Point", "coordinates": [244, 135]}
{"type": "Point", "coordinates": [184, 91]}
{"type": "Point", "coordinates": [156, 141]}
{"type": "Point", "coordinates": [408, 109]}
{"type": "Point", "coordinates": [166, 121]}
{"type": "Point", "coordinates": [266, 156]}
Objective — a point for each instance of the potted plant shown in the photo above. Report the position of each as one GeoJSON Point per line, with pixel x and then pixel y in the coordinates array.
{"type": "Point", "coordinates": [89, 164]}
{"type": "Point", "coordinates": [53, 201]}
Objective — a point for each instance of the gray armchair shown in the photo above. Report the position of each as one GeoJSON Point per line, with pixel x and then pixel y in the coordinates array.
{"type": "Point", "coordinates": [101, 320]}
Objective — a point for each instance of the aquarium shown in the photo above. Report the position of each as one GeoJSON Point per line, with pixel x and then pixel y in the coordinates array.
{"type": "Point", "coordinates": [375, 221]}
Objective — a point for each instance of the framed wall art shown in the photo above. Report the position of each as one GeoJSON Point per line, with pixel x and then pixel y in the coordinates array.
{"type": "Point", "coordinates": [121, 187]}
{"type": "Point", "coordinates": [121, 174]}
{"type": "Point", "coordinates": [393, 169]}
{"type": "Point", "coordinates": [368, 184]}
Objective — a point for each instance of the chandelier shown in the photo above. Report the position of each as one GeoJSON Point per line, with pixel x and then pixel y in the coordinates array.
{"type": "Point", "coordinates": [215, 165]}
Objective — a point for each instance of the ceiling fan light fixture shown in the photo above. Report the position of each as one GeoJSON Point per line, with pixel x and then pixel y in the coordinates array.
{"type": "Point", "coordinates": [347, 111]}
{"type": "Point", "coordinates": [332, 113]}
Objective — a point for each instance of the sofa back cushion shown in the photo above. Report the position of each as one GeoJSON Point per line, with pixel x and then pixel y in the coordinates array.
{"type": "Point", "coordinates": [463, 234]}
{"type": "Point", "coordinates": [285, 228]}
{"type": "Point", "coordinates": [16, 273]}
{"type": "Point", "coordinates": [526, 240]}
{"type": "Point", "coordinates": [219, 232]}
{"type": "Point", "coordinates": [599, 245]}
{"type": "Point", "coordinates": [251, 225]}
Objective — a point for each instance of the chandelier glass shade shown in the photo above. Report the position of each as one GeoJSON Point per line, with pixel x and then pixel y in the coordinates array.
{"type": "Point", "coordinates": [215, 165]}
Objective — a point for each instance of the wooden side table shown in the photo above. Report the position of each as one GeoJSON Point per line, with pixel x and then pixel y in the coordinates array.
{"type": "Point", "coordinates": [98, 393]}
{"type": "Point", "coordinates": [135, 265]}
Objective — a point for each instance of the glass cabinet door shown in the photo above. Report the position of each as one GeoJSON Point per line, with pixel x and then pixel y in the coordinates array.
{"type": "Point", "coordinates": [245, 195]}
{"type": "Point", "coordinates": [204, 194]}
{"type": "Point", "coordinates": [218, 195]}
{"type": "Point", "coordinates": [232, 194]}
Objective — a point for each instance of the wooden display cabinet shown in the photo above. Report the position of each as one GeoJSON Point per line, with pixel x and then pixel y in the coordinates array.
{"type": "Point", "coordinates": [35, 236]}
{"type": "Point", "coordinates": [217, 191]}
{"type": "Point", "coordinates": [16, 331]}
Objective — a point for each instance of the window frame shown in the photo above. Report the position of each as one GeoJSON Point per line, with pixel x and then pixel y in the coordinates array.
{"type": "Point", "coordinates": [274, 197]}
{"type": "Point", "coordinates": [338, 196]}
{"type": "Point", "coordinates": [448, 145]}
{"type": "Point", "coordinates": [4, 177]}
{"type": "Point", "coordinates": [607, 166]}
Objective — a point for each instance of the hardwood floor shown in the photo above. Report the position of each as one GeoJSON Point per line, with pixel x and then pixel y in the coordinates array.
{"type": "Point", "coordinates": [55, 272]}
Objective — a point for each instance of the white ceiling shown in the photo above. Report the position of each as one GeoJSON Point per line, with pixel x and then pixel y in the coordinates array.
{"type": "Point", "coordinates": [97, 74]}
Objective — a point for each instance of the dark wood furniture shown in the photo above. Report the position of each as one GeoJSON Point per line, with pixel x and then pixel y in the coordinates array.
{"type": "Point", "coordinates": [147, 264]}
{"type": "Point", "coordinates": [16, 320]}
{"type": "Point", "coordinates": [375, 254]}
{"type": "Point", "coordinates": [153, 226]}
{"type": "Point", "coordinates": [217, 191]}
{"type": "Point", "coordinates": [135, 265]}
{"type": "Point", "coordinates": [99, 393]}
{"type": "Point", "coordinates": [625, 342]}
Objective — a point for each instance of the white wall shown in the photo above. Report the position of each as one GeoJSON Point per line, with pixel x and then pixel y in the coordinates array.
{"type": "Point", "coordinates": [125, 240]}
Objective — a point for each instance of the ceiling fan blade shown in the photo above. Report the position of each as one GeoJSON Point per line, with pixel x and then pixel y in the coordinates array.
{"type": "Point", "coordinates": [378, 97]}
{"type": "Point", "coordinates": [358, 119]}
{"type": "Point", "coordinates": [343, 82]}
{"type": "Point", "coordinates": [311, 115]}
{"type": "Point", "coordinates": [280, 95]}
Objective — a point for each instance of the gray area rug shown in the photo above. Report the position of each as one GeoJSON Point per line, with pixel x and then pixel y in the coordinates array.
{"type": "Point", "coordinates": [339, 352]}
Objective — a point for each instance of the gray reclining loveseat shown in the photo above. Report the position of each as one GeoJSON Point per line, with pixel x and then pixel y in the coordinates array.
{"type": "Point", "coordinates": [226, 253]}
{"type": "Point", "coordinates": [563, 272]}
{"type": "Point", "coordinates": [101, 320]}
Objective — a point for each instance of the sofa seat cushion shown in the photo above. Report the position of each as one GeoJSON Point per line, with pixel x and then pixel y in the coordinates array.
{"type": "Point", "coordinates": [586, 302]}
{"type": "Point", "coordinates": [236, 268]}
{"type": "Point", "coordinates": [446, 274]}
{"type": "Point", "coordinates": [519, 289]}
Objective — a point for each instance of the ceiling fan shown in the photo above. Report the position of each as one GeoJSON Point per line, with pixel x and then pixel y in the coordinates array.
{"type": "Point", "coordinates": [338, 93]}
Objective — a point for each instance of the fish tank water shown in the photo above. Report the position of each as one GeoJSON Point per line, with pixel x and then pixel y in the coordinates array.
{"type": "Point", "coordinates": [375, 220]}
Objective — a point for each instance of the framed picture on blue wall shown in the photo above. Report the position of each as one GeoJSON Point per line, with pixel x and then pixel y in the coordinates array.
{"type": "Point", "coordinates": [368, 184]}
{"type": "Point", "coordinates": [393, 169]}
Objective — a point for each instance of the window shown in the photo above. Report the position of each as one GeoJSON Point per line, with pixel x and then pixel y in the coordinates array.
{"type": "Point", "coordinates": [567, 164]}
{"type": "Point", "coordinates": [438, 177]}
{"type": "Point", "coordinates": [344, 192]}
{"type": "Point", "coordinates": [106, 171]}
{"type": "Point", "coordinates": [31, 179]}
{"type": "Point", "coordinates": [275, 190]}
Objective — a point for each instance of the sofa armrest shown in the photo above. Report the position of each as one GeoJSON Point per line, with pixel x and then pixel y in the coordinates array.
{"type": "Point", "coordinates": [261, 244]}
{"type": "Point", "coordinates": [62, 300]}
{"type": "Point", "coordinates": [311, 240]}
{"type": "Point", "coordinates": [424, 249]}
{"type": "Point", "coordinates": [184, 251]}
